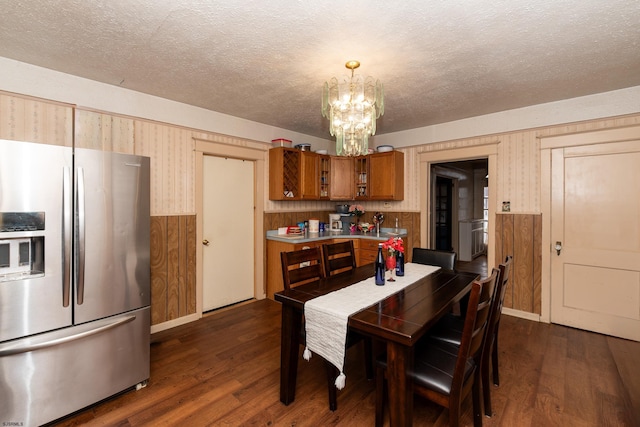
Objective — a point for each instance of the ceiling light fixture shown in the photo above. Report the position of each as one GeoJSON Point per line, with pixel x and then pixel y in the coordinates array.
{"type": "Point", "coordinates": [352, 105]}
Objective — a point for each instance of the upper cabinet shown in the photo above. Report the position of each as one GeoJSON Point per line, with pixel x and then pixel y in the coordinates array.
{"type": "Point", "coordinates": [309, 173]}
{"type": "Point", "coordinates": [342, 182]}
{"type": "Point", "coordinates": [284, 174]}
{"type": "Point", "coordinates": [303, 175]}
{"type": "Point", "coordinates": [324, 176]}
{"type": "Point", "coordinates": [386, 177]}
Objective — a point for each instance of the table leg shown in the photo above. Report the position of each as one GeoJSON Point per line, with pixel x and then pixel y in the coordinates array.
{"type": "Point", "coordinates": [289, 343]}
{"type": "Point", "coordinates": [399, 360]}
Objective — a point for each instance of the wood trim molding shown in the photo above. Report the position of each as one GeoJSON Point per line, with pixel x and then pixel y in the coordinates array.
{"type": "Point", "coordinates": [487, 149]}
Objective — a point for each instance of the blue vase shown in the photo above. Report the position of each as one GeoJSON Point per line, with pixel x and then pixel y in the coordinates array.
{"type": "Point", "coordinates": [399, 263]}
{"type": "Point", "coordinates": [380, 267]}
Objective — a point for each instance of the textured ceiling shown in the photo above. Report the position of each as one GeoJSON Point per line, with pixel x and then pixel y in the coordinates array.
{"type": "Point", "coordinates": [439, 60]}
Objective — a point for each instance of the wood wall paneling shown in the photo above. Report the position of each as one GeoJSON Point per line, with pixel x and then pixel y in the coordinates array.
{"type": "Point", "coordinates": [173, 278]}
{"type": "Point", "coordinates": [520, 235]}
{"type": "Point", "coordinates": [523, 269]}
{"type": "Point", "coordinates": [159, 281]}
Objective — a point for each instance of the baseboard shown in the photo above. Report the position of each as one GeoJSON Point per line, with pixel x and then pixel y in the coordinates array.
{"type": "Point", "coordinates": [522, 314]}
{"type": "Point", "coordinates": [175, 322]}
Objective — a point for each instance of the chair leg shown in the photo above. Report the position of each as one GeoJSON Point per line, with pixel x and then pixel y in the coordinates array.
{"type": "Point", "coordinates": [332, 374]}
{"type": "Point", "coordinates": [380, 393]}
{"type": "Point", "coordinates": [368, 357]}
{"type": "Point", "coordinates": [477, 404]}
{"type": "Point", "coordinates": [494, 360]}
{"type": "Point", "coordinates": [486, 388]}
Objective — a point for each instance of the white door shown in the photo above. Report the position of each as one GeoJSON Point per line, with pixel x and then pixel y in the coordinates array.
{"type": "Point", "coordinates": [595, 223]}
{"type": "Point", "coordinates": [228, 230]}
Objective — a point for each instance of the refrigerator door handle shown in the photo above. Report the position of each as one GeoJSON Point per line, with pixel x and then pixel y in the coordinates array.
{"type": "Point", "coordinates": [38, 343]}
{"type": "Point", "coordinates": [67, 226]}
{"type": "Point", "coordinates": [81, 236]}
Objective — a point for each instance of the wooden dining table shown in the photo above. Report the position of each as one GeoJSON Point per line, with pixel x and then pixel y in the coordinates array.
{"type": "Point", "coordinates": [398, 321]}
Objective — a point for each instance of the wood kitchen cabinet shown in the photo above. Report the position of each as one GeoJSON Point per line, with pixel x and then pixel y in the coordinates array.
{"type": "Point", "coordinates": [284, 174]}
{"type": "Point", "coordinates": [324, 175]}
{"type": "Point", "coordinates": [386, 176]}
{"type": "Point", "coordinates": [304, 175]}
{"type": "Point", "coordinates": [293, 174]}
{"type": "Point", "coordinates": [341, 178]}
{"type": "Point", "coordinates": [309, 175]}
{"type": "Point", "coordinates": [361, 177]}
{"type": "Point", "coordinates": [367, 251]}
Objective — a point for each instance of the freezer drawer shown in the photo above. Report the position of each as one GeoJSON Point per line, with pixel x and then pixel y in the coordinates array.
{"type": "Point", "coordinates": [69, 369]}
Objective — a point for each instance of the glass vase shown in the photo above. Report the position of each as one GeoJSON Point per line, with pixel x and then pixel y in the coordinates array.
{"type": "Point", "coordinates": [391, 266]}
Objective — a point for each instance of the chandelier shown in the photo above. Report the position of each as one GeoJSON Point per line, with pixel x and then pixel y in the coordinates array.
{"type": "Point", "coordinates": [352, 105]}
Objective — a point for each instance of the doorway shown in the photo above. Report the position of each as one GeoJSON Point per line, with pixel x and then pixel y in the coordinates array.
{"type": "Point", "coordinates": [460, 192]}
{"type": "Point", "coordinates": [228, 231]}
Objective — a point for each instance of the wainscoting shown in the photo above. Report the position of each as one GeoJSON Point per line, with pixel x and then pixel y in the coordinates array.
{"type": "Point", "coordinates": [173, 267]}
{"type": "Point", "coordinates": [520, 235]}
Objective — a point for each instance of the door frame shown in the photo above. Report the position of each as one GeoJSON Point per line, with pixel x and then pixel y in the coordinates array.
{"type": "Point", "coordinates": [488, 150]}
{"type": "Point", "coordinates": [547, 144]}
{"type": "Point", "coordinates": [258, 156]}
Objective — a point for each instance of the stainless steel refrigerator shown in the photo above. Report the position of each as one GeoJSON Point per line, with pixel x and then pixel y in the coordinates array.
{"type": "Point", "coordinates": [74, 278]}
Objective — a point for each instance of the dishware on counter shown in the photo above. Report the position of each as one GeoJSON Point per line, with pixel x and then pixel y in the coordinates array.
{"type": "Point", "coordinates": [365, 227]}
{"type": "Point", "coordinates": [342, 209]}
{"type": "Point", "coordinates": [314, 225]}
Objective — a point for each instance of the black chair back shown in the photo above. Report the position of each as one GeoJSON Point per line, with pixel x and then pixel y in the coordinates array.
{"type": "Point", "coordinates": [444, 259]}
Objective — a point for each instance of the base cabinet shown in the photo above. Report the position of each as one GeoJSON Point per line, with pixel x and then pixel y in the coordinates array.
{"type": "Point", "coordinates": [366, 251]}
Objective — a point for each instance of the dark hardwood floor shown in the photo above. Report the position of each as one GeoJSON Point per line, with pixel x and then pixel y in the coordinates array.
{"type": "Point", "coordinates": [223, 370]}
{"type": "Point", "coordinates": [477, 265]}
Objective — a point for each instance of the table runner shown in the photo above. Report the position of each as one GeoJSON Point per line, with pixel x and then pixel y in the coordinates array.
{"type": "Point", "coordinates": [326, 316]}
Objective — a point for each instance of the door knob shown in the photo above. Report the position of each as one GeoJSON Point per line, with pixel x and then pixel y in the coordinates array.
{"type": "Point", "coordinates": [558, 247]}
{"type": "Point", "coordinates": [205, 242]}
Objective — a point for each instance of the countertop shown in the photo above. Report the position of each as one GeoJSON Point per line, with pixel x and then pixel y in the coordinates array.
{"type": "Point", "coordinates": [385, 233]}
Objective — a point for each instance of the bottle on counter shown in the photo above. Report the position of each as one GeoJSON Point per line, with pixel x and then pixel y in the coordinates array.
{"type": "Point", "coordinates": [380, 267]}
{"type": "Point", "coordinates": [399, 263]}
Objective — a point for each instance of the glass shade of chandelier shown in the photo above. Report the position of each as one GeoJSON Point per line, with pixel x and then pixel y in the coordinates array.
{"type": "Point", "coordinates": [352, 105]}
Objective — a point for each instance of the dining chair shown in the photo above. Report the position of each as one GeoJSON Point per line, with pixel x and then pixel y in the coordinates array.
{"type": "Point", "coordinates": [449, 330]}
{"type": "Point", "coordinates": [444, 373]}
{"type": "Point", "coordinates": [338, 257]}
{"type": "Point", "coordinates": [491, 348]}
{"type": "Point", "coordinates": [444, 259]}
{"type": "Point", "coordinates": [303, 266]}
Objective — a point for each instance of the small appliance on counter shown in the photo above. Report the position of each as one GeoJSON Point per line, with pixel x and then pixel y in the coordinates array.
{"type": "Point", "coordinates": [335, 222]}
{"type": "Point", "coordinates": [339, 222]}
